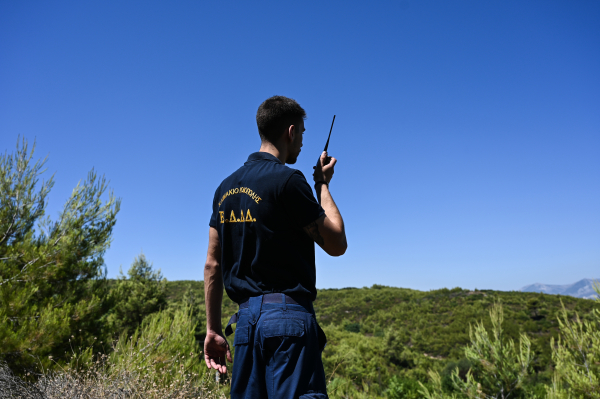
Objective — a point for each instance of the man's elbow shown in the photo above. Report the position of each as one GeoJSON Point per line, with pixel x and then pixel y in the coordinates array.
{"type": "Point", "coordinates": [339, 249]}
{"type": "Point", "coordinates": [211, 266]}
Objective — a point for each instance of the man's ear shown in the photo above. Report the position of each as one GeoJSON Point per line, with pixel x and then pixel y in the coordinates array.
{"type": "Point", "coordinates": [291, 132]}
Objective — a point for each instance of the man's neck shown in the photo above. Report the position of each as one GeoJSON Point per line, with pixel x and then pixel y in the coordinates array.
{"type": "Point", "coordinates": [271, 149]}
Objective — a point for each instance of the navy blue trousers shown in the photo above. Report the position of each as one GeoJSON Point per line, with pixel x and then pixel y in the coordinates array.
{"type": "Point", "coordinates": [278, 350]}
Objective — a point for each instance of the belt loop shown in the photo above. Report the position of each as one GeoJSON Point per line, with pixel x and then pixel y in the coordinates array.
{"type": "Point", "coordinates": [283, 301]}
{"type": "Point", "coordinates": [255, 305]}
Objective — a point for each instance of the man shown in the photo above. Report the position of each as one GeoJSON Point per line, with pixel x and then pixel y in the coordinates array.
{"type": "Point", "coordinates": [264, 224]}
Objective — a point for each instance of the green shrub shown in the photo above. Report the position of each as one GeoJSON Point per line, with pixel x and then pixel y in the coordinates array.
{"type": "Point", "coordinates": [402, 388]}
{"type": "Point", "coordinates": [164, 342]}
{"type": "Point", "coordinates": [501, 366]}
{"type": "Point", "coordinates": [131, 299]}
{"type": "Point", "coordinates": [577, 356]}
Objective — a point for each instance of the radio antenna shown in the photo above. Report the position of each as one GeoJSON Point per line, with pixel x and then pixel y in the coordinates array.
{"type": "Point", "coordinates": [327, 145]}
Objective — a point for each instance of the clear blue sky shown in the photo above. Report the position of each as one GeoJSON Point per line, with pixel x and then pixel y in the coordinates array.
{"type": "Point", "coordinates": [467, 132]}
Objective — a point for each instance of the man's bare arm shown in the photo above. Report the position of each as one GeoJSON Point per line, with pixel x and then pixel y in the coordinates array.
{"type": "Point", "coordinates": [328, 231]}
{"type": "Point", "coordinates": [216, 348]}
{"type": "Point", "coordinates": [313, 232]}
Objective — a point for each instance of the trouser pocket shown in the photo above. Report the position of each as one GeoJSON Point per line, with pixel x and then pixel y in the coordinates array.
{"type": "Point", "coordinates": [275, 332]}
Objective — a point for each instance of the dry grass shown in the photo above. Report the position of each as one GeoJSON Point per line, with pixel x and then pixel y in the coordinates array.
{"type": "Point", "coordinates": [159, 360]}
{"type": "Point", "coordinates": [103, 382]}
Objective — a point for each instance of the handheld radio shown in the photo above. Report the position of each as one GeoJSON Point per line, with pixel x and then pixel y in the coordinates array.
{"type": "Point", "coordinates": [327, 144]}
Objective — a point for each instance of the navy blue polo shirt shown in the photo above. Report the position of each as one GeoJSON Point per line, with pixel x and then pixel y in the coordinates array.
{"type": "Point", "coordinates": [260, 212]}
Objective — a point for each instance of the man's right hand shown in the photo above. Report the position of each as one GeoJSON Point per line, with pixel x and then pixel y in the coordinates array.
{"type": "Point", "coordinates": [216, 350]}
{"type": "Point", "coordinates": [324, 169]}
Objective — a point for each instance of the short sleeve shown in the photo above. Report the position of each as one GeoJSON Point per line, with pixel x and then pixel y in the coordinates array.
{"type": "Point", "coordinates": [299, 201]}
{"type": "Point", "coordinates": [213, 216]}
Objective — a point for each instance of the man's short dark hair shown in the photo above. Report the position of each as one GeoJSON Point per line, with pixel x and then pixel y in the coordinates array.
{"type": "Point", "coordinates": [275, 115]}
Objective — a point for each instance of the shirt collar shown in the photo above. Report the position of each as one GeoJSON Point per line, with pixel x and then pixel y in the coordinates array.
{"type": "Point", "coordinates": [260, 156]}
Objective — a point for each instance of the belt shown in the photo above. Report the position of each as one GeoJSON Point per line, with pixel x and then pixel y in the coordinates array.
{"type": "Point", "coordinates": [272, 298]}
{"type": "Point", "coordinates": [268, 298]}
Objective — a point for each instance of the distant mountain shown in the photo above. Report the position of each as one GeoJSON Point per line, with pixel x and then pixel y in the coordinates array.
{"type": "Point", "coordinates": [581, 289]}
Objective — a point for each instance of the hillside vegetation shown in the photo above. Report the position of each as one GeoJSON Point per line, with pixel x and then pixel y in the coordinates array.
{"type": "Point", "coordinates": [377, 333]}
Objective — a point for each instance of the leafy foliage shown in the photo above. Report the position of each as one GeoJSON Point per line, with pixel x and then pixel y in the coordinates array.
{"type": "Point", "coordinates": [164, 342]}
{"type": "Point", "coordinates": [401, 388]}
{"type": "Point", "coordinates": [576, 353]}
{"type": "Point", "coordinates": [501, 368]}
{"type": "Point", "coordinates": [131, 299]}
{"type": "Point", "coordinates": [50, 271]}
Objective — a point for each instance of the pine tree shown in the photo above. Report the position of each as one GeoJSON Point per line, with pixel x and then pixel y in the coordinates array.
{"type": "Point", "coordinates": [133, 298]}
{"type": "Point", "coordinates": [51, 272]}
